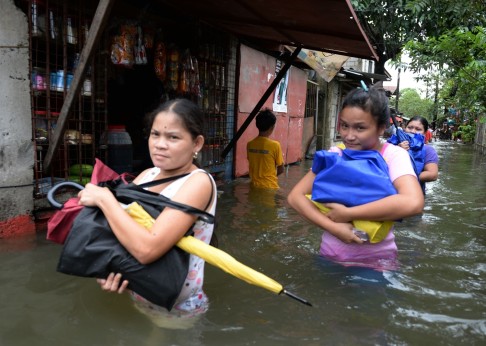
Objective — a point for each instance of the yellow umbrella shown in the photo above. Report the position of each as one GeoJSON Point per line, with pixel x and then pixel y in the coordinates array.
{"type": "Point", "coordinates": [216, 257]}
{"type": "Point", "coordinates": [376, 230]}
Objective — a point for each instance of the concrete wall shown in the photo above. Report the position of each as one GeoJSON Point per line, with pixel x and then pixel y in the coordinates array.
{"type": "Point", "coordinates": [326, 126]}
{"type": "Point", "coordinates": [307, 133]}
{"type": "Point", "coordinates": [16, 148]}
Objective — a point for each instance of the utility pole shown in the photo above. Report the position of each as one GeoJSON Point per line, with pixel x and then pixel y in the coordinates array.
{"type": "Point", "coordinates": [436, 97]}
{"type": "Point", "coordinates": [397, 91]}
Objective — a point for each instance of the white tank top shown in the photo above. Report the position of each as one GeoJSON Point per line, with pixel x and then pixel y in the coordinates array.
{"type": "Point", "coordinates": [192, 298]}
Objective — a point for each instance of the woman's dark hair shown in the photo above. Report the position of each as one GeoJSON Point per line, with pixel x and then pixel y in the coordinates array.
{"type": "Point", "coordinates": [424, 121]}
{"type": "Point", "coordinates": [192, 118]}
{"type": "Point", "coordinates": [373, 101]}
{"type": "Point", "coordinates": [186, 110]}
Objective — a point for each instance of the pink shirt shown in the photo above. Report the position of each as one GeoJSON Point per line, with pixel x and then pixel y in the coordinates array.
{"type": "Point", "coordinates": [380, 255]}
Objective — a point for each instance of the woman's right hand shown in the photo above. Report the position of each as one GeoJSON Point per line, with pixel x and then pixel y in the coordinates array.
{"type": "Point", "coordinates": [113, 283]}
{"type": "Point", "coordinates": [405, 145]}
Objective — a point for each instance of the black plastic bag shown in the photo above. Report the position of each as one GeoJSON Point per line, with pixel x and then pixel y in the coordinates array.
{"type": "Point", "coordinates": [92, 250]}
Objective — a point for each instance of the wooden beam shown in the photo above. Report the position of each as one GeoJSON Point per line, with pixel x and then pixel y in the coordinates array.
{"type": "Point", "coordinates": [99, 21]}
{"type": "Point", "coordinates": [259, 105]}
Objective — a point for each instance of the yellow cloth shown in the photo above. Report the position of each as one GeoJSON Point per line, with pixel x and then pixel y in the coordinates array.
{"type": "Point", "coordinates": [376, 230]}
{"type": "Point", "coordinates": [264, 155]}
{"type": "Point", "coordinates": [210, 254]}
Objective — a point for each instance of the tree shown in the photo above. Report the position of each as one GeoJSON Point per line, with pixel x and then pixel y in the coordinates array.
{"type": "Point", "coordinates": [460, 56]}
{"type": "Point", "coordinates": [411, 104]}
{"type": "Point", "coordinates": [390, 24]}
{"type": "Point", "coordinates": [443, 36]}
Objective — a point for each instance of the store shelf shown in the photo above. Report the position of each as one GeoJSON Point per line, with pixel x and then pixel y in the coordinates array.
{"type": "Point", "coordinates": [57, 32]}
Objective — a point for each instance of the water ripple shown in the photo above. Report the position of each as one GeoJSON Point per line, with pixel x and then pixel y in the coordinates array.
{"type": "Point", "coordinates": [455, 325]}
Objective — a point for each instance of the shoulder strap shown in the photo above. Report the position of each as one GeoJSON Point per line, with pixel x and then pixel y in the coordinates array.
{"type": "Point", "coordinates": [162, 181]}
{"type": "Point", "coordinates": [128, 193]}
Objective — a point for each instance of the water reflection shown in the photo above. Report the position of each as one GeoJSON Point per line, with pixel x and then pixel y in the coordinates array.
{"type": "Point", "coordinates": [436, 297]}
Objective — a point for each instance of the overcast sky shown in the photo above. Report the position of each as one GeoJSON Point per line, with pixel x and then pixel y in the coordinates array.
{"type": "Point", "coordinates": [406, 78]}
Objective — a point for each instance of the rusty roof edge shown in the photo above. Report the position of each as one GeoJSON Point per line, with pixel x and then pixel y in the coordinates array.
{"type": "Point", "coordinates": [355, 17]}
{"type": "Point", "coordinates": [366, 51]}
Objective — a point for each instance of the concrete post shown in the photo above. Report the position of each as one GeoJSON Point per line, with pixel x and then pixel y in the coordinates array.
{"type": "Point", "coordinates": [16, 148]}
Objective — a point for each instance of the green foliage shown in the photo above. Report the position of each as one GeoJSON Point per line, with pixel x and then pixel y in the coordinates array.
{"type": "Point", "coordinates": [444, 38]}
{"type": "Point", "coordinates": [390, 24]}
{"type": "Point", "coordinates": [461, 56]}
{"type": "Point", "coordinates": [411, 104]}
{"type": "Point", "coordinates": [466, 133]}
{"type": "Point", "coordinates": [387, 24]}
{"type": "Point", "coordinates": [441, 120]}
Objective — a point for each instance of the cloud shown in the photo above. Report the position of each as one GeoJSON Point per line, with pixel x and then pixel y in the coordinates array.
{"type": "Point", "coordinates": [407, 78]}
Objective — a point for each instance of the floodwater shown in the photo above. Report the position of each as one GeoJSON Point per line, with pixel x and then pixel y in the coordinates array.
{"type": "Point", "coordinates": [437, 297]}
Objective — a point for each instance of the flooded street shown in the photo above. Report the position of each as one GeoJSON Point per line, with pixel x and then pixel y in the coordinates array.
{"type": "Point", "coordinates": [437, 296]}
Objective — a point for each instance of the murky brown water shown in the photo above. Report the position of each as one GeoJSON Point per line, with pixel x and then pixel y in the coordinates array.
{"type": "Point", "coordinates": [437, 296]}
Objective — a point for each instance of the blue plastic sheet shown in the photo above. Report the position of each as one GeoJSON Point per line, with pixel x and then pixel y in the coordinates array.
{"type": "Point", "coordinates": [357, 177]}
{"type": "Point", "coordinates": [417, 149]}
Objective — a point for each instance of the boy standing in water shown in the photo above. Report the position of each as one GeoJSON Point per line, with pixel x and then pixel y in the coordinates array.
{"type": "Point", "coordinates": [264, 154]}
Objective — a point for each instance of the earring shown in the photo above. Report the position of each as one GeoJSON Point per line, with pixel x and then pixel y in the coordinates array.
{"type": "Point", "coordinates": [195, 155]}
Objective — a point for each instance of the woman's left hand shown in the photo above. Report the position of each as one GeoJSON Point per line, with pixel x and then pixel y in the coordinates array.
{"type": "Point", "coordinates": [405, 145]}
{"type": "Point", "coordinates": [338, 212]}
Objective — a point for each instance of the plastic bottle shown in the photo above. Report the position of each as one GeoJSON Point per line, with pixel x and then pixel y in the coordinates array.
{"type": "Point", "coordinates": [38, 18]}
{"type": "Point", "coordinates": [39, 79]}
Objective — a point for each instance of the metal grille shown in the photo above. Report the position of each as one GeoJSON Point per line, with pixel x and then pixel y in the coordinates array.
{"type": "Point", "coordinates": [217, 69]}
{"type": "Point", "coordinates": [311, 100]}
{"type": "Point", "coordinates": [57, 33]}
